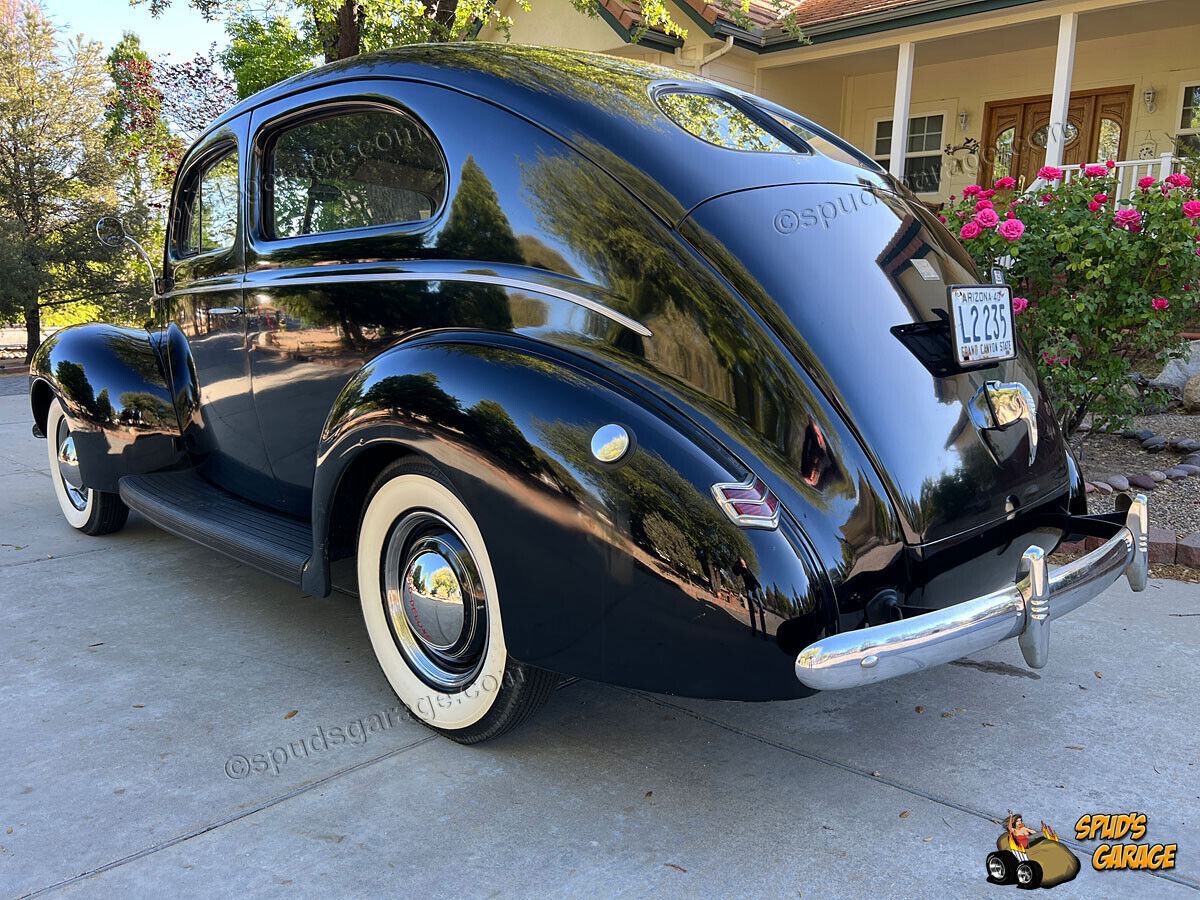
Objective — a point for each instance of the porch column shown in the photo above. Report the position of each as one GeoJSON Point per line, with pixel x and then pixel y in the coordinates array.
{"type": "Point", "coordinates": [904, 74]}
{"type": "Point", "coordinates": [1060, 102]}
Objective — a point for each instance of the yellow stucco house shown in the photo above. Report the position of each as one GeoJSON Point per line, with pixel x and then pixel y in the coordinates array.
{"type": "Point", "coordinates": [981, 87]}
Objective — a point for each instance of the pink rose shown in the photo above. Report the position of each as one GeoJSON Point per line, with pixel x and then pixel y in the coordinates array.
{"type": "Point", "coordinates": [952, 198]}
{"type": "Point", "coordinates": [1012, 229]}
{"type": "Point", "coordinates": [1101, 198]}
{"type": "Point", "coordinates": [1094, 206]}
{"type": "Point", "coordinates": [1191, 209]}
{"type": "Point", "coordinates": [987, 218]}
{"type": "Point", "coordinates": [983, 204]}
{"type": "Point", "coordinates": [1111, 164]}
{"type": "Point", "coordinates": [1146, 183]}
{"type": "Point", "coordinates": [1006, 183]}
{"type": "Point", "coordinates": [1010, 215]}
{"type": "Point", "coordinates": [1095, 171]}
{"type": "Point", "coordinates": [1050, 173]}
{"type": "Point", "coordinates": [971, 190]}
{"type": "Point", "coordinates": [1020, 304]}
{"type": "Point", "coordinates": [1160, 303]}
{"type": "Point", "coordinates": [1128, 218]}
{"type": "Point", "coordinates": [971, 230]}
{"type": "Point", "coordinates": [988, 194]}
{"type": "Point", "coordinates": [1179, 180]}
{"type": "Point", "coordinates": [942, 219]}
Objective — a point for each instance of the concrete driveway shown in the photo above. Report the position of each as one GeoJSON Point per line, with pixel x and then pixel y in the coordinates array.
{"type": "Point", "coordinates": [141, 675]}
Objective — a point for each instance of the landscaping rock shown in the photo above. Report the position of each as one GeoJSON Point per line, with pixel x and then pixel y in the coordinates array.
{"type": "Point", "coordinates": [1145, 482]}
{"type": "Point", "coordinates": [1191, 395]}
{"type": "Point", "coordinates": [1144, 434]}
{"type": "Point", "coordinates": [1091, 543]}
{"type": "Point", "coordinates": [1119, 482]}
{"type": "Point", "coordinates": [1154, 444]}
{"type": "Point", "coordinates": [1191, 470]}
{"type": "Point", "coordinates": [1104, 488]}
{"type": "Point", "coordinates": [1187, 551]}
{"type": "Point", "coordinates": [1159, 477]}
{"type": "Point", "coordinates": [1192, 459]}
{"type": "Point", "coordinates": [1073, 547]}
{"type": "Point", "coordinates": [1189, 445]}
{"type": "Point", "coordinates": [1175, 473]}
{"type": "Point", "coordinates": [1177, 372]}
{"type": "Point", "coordinates": [1162, 546]}
{"type": "Point", "coordinates": [1089, 488]}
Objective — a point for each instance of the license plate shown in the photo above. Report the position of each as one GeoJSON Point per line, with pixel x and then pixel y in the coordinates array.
{"type": "Point", "coordinates": [981, 320]}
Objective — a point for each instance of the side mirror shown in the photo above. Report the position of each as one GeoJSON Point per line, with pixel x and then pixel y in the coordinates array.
{"type": "Point", "coordinates": [110, 232]}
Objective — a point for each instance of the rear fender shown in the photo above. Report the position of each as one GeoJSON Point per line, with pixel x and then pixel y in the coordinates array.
{"type": "Point", "coordinates": [625, 572]}
{"type": "Point", "coordinates": [112, 388]}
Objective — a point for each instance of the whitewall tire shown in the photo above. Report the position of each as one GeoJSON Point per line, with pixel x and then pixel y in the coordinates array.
{"type": "Point", "coordinates": [432, 610]}
{"type": "Point", "coordinates": [87, 510]}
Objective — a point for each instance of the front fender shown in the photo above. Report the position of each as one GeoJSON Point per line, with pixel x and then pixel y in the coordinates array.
{"type": "Point", "coordinates": [627, 573]}
{"type": "Point", "coordinates": [111, 385]}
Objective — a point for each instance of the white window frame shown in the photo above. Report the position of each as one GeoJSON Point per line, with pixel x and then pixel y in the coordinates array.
{"type": "Point", "coordinates": [1177, 113]}
{"type": "Point", "coordinates": [879, 157]}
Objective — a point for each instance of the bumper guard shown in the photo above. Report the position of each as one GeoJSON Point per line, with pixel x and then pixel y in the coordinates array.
{"type": "Point", "coordinates": [1023, 611]}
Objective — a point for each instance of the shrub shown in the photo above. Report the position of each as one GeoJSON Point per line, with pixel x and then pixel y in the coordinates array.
{"type": "Point", "coordinates": [1101, 287]}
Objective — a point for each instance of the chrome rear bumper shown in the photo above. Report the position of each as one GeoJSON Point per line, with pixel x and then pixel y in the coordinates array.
{"type": "Point", "coordinates": [1023, 610]}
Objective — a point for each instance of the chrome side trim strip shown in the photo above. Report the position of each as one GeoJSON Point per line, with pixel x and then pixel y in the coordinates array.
{"type": "Point", "coordinates": [1024, 610]}
{"type": "Point", "coordinates": [463, 277]}
{"type": "Point", "coordinates": [202, 289]}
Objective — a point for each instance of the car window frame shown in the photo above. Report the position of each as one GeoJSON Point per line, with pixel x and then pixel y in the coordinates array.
{"type": "Point", "coordinates": [265, 137]}
{"type": "Point", "coordinates": [185, 196]}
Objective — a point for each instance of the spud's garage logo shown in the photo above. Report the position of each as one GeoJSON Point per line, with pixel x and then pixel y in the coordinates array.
{"type": "Point", "coordinates": [1030, 858]}
{"type": "Point", "coordinates": [1110, 829]}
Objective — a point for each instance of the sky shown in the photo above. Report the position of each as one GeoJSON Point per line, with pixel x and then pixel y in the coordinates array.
{"type": "Point", "coordinates": [180, 31]}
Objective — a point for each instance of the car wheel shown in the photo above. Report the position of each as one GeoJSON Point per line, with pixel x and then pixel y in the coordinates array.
{"type": "Point", "coordinates": [90, 511]}
{"type": "Point", "coordinates": [1029, 874]}
{"type": "Point", "coordinates": [432, 612]}
{"type": "Point", "coordinates": [1002, 867]}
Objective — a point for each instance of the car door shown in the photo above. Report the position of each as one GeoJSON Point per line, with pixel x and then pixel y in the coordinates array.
{"type": "Point", "coordinates": [205, 262]}
{"type": "Point", "coordinates": [348, 175]}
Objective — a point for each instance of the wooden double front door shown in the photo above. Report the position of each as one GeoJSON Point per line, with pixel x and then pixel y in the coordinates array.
{"type": "Point", "coordinates": [1015, 133]}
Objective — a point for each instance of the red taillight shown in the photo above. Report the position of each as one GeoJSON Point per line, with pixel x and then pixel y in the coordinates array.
{"type": "Point", "coordinates": [749, 504]}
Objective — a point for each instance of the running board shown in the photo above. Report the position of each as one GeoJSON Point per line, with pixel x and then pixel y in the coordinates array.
{"type": "Point", "coordinates": [186, 505]}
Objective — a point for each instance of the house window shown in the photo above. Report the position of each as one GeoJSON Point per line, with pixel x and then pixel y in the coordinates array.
{"type": "Point", "coordinates": [1187, 138]}
{"type": "Point", "coordinates": [923, 156]}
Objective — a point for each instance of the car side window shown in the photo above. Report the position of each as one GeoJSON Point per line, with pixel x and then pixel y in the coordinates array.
{"type": "Point", "coordinates": [353, 168]}
{"type": "Point", "coordinates": [211, 208]}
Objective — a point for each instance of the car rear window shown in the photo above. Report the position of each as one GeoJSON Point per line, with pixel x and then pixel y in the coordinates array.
{"type": "Point", "coordinates": [719, 121]}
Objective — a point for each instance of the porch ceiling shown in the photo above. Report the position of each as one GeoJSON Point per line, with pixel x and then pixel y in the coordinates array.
{"type": "Point", "coordinates": [1039, 33]}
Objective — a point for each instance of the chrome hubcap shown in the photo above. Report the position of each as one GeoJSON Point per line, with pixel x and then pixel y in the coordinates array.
{"type": "Point", "coordinates": [434, 600]}
{"type": "Point", "coordinates": [996, 868]}
{"type": "Point", "coordinates": [68, 468]}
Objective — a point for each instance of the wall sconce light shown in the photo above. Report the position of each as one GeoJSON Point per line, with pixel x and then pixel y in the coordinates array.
{"type": "Point", "coordinates": [962, 121]}
{"type": "Point", "coordinates": [1148, 98]}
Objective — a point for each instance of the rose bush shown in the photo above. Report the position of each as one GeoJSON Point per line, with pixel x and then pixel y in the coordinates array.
{"type": "Point", "coordinates": [1101, 287]}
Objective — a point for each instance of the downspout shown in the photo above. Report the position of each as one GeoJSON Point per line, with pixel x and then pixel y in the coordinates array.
{"type": "Point", "coordinates": [699, 67]}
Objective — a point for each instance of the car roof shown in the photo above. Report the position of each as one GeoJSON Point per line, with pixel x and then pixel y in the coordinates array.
{"type": "Point", "coordinates": [601, 105]}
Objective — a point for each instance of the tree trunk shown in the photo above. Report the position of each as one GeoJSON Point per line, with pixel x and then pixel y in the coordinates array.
{"type": "Point", "coordinates": [33, 328]}
{"type": "Point", "coordinates": [444, 12]}
{"type": "Point", "coordinates": [344, 35]}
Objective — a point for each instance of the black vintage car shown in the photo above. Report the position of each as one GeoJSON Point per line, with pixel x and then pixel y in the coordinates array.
{"type": "Point", "coordinates": [594, 369]}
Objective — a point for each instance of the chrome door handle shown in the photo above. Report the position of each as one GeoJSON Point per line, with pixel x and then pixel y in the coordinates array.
{"type": "Point", "coordinates": [226, 311]}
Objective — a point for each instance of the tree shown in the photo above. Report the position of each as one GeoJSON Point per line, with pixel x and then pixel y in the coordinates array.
{"type": "Point", "coordinates": [55, 174]}
{"type": "Point", "coordinates": [263, 51]}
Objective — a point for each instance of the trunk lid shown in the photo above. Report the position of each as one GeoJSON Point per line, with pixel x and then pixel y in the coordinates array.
{"type": "Point", "coordinates": [836, 270]}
